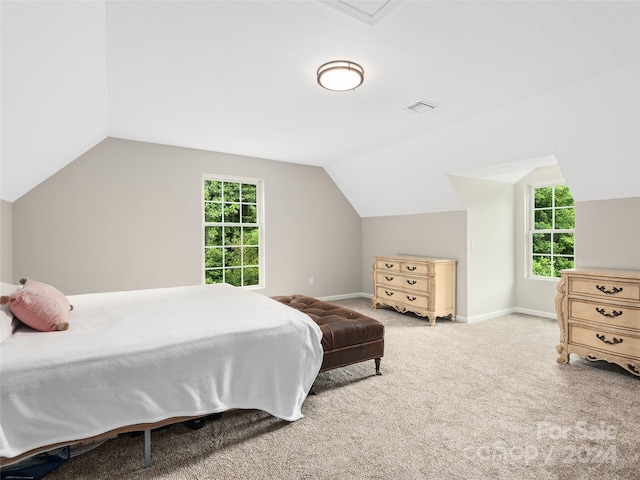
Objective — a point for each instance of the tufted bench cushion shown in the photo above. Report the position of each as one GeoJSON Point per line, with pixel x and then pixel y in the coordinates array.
{"type": "Point", "coordinates": [347, 336]}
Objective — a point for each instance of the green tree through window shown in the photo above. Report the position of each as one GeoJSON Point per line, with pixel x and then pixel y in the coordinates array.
{"type": "Point", "coordinates": [232, 224]}
{"type": "Point", "coordinates": [552, 230]}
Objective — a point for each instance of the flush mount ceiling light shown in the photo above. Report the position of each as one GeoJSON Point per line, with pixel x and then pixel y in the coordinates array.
{"type": "Point", "coordinates": [340, 75]}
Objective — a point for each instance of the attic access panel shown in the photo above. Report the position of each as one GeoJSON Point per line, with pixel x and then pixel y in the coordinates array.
{"type": "Point", "coordinates": [367, 11]}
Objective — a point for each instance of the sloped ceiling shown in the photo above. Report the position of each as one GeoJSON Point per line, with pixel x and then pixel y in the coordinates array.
{"type": "Point", "coordinates": [54, 88]}
{"type": "Point", "coordinates": [239, 77]}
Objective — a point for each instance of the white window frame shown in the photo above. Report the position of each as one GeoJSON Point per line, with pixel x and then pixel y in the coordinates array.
{"type": "Point", "coordinates": [530, 223]}
{"type": "Point", "coordinates": [259, 183]}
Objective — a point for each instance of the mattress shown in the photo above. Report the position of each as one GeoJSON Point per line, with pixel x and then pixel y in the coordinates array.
{"type": "Point", "coordinates": [148, 355]}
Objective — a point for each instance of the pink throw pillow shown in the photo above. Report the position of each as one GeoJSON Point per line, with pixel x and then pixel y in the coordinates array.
{"type": "Point", "coordinates": [40, 306]}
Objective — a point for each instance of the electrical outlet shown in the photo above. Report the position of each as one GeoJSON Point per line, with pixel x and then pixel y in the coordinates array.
{"type": "Point", "coordinates": [312, 281]}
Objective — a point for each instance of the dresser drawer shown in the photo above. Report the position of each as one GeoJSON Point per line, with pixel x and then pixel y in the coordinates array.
{"type": "Point", "coordinates": [402, 281]}
{"type": "Point", "coordinates": [605, 288]}
{"type": "Point", "coordinates": [389, 279]}
{"type": "Point", "coordinates": [387, 265]}
{"type": "Point", "coordinates": [610, 314]}
{"type": "Point", "coordinates": [605, 340]}
{"type": "Point", "coordinates": [407, 298]}
{"type": "Point", "coordinates": [415, 268]}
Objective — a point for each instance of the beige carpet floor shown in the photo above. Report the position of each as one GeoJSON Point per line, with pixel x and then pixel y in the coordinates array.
{"type": "Point", "coordinates": [485, 400]}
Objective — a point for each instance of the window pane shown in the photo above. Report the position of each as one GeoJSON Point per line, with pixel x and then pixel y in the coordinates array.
{"type": "Point", "coordinates": [249, 213]}
{"type": "Point", "coordinates": [231, 192]}
{"type": "Point", "coordinates": [563, 197]}
{"type": "Point", "coordinates": [250, 256]}
{"type": "Point", "coordinates": [232, 251]}
{"type": "Point", "coordinates": [541, 243]}
{"type": "Point", "coordinates": [563, 244]}
{"type": "Point", "coordinates": [249, 193]}
{"type": "Point", "coordinates": [213, 257]}
{"type": "Point", "coordinates": [543, 197]}
{"type": "Point", "coordinates": [232, 257]}
{"type": "Point", "coordinates": [565, 219]}
{"type": "Point", "coordinates": [542, 266]}
{"type": "Point", "coordinates": [213, 236]}
{"type": "Point", "coordinates": [232, 235]}
{"type": "Point", "coordinates": [213, 276]}
{"type": "Point", "coordinates": [233, 276]}
{"type": "Point", "coordinates": [250, 236]}
{"type": "Point", "coordinates": [212, 190]}
{"type": "Point", "coordinates": [543, 219]}
{"type": "Point", "coordinates": [251, 276]}
{"type": "Point", "coordinates": [212, 212]}
{"type": "Point", "coordinates": [554, 213]}
{"type": "Point", "coordinates": [560, 263]}
{"type": "Point", "coordinates": [232, 213]}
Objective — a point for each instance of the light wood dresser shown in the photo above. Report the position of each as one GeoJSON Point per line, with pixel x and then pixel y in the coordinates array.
{"type": "Point", "coordinates": [423, 285]}
{"type": "Point", "coordinates": [599, 316]}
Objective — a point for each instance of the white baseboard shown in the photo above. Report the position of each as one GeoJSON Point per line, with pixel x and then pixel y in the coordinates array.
{"type": "Point", "coordinates": [506, 311]}
{"type": "Point", "coordinates": [536, 313]}
{"type": "Point", "coordinates": [459, 318]}
{"type": "Point", "coordinates": [345, 296]}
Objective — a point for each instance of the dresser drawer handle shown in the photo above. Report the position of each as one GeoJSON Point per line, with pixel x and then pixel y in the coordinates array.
{"type": "Point", "coordinates": [388, 278]}
{"type": "Point", "coordinates": [615, 340]}
{"type": "Point", "coordinates": [412, 282]}
{"type": "Point", "coordinates": [614, 313]}
{"type": "Point", "coordinates": [613, 291]}
{"type": "Point", "coordinates": [388, 292]}
{"type": "Point", "coordinates": [411, 299]}
{"type": "Point", "coordinates": [389, 265]}
{"type": "Point", "coordinates": [411, 268]}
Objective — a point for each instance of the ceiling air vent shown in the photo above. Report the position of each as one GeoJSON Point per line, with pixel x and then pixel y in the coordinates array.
{"type": "Point", "coordinates": [421, 106]}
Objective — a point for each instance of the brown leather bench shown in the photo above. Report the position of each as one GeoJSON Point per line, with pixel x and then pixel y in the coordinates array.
{"type": "Point", "coordinates": [347, 336]}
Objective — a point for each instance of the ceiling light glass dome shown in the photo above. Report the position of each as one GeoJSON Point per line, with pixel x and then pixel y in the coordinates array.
{"type": "Point", "coordinates": [340, 75]}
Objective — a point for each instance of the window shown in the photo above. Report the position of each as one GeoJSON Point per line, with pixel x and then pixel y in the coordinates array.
{"type": "Point", "coordinates": [232, 231]}
{"type": "Point", "coordinates": [551, 233]}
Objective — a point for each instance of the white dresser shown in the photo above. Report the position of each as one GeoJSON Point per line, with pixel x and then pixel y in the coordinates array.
{"type": "Point", "coordinates": [599, 316]}
{"type": "Point", "coordinates": [423, 285]}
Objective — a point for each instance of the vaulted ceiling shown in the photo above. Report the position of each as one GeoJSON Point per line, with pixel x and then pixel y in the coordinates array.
{"type": "Point", "coordinates": [516, 83]}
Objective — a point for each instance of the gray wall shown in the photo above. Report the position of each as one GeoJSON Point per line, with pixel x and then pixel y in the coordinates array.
{"type": "Point", "coordinates": [6, 242]}
{"type": "Point", "coordinates": [431, 234]}
{"type": "Point", "coordinates": [127, 215]}
{"type": "Point", "coordinates": [608, 233]}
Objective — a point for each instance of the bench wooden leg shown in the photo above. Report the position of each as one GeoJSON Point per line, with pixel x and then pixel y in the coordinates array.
{"type": "Point", "coordinates": [377, 360]}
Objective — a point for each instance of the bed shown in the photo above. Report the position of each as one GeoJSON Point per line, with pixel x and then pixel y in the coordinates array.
{"type": "Point", "coordinates": [135, 359]}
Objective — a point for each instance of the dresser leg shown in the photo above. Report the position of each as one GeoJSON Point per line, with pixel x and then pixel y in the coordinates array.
{"type": "Point", "coordinates": [563, 356]}
{"type": "Point", "coordinates": [633, 368]}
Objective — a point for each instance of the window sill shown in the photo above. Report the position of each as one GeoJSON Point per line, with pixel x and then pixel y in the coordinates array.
{"type": "Point", "coordinates": [543, 279]}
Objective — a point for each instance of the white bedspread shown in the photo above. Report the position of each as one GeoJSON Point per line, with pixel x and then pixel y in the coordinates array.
{"type": "Point", "coordinates": [148, 355]}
